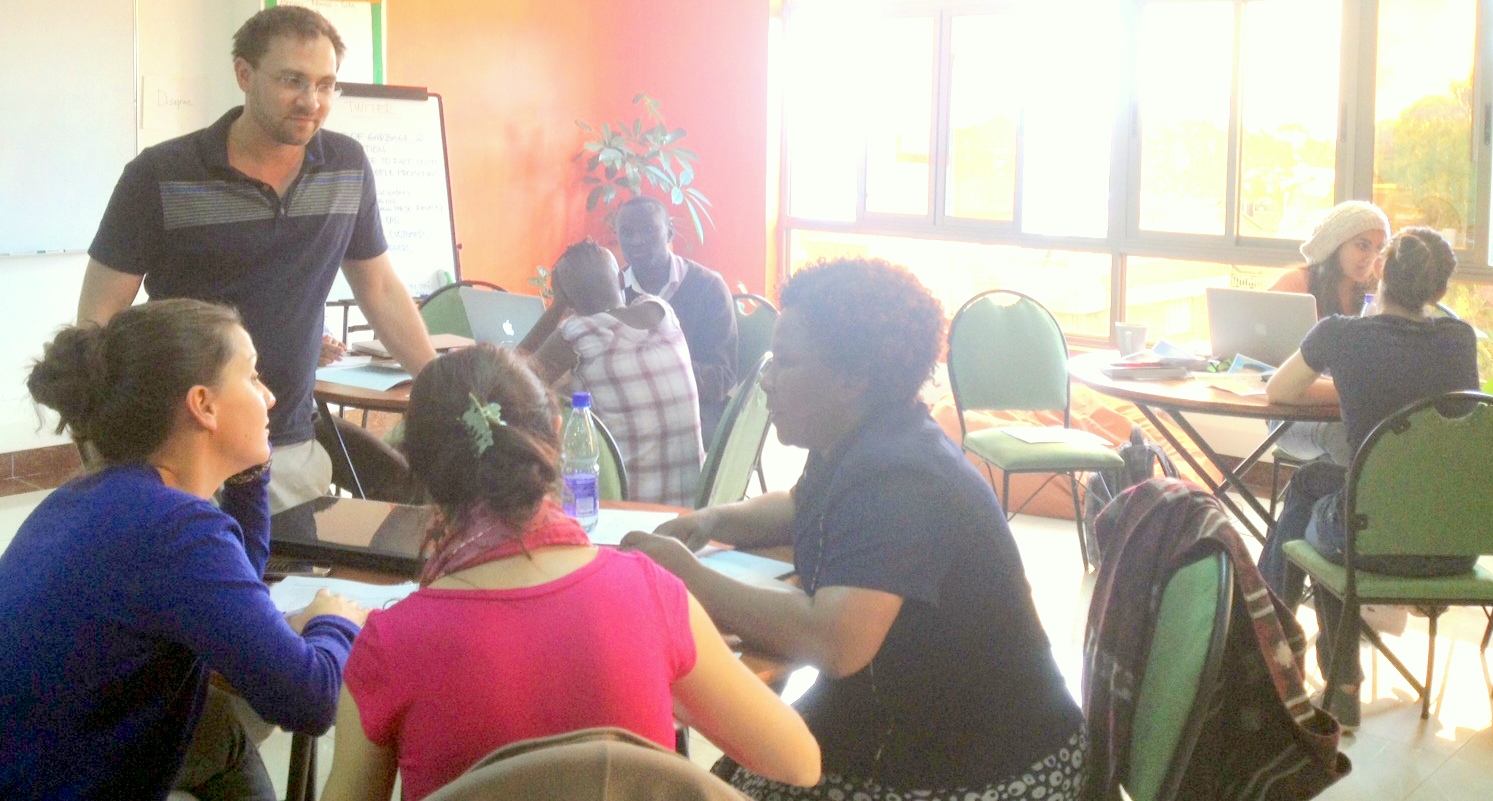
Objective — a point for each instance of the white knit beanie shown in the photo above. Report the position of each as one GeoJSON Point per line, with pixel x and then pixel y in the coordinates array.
{"type": "Point", "coordinates": [1343, 222]}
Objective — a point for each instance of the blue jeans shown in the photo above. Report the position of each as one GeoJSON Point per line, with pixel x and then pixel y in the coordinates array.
{"type": "Point", "coordinates": [1312, 483]}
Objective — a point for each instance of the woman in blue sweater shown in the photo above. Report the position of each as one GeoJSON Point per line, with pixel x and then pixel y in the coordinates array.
{"type": "Point", "coordinates": [126, 586]}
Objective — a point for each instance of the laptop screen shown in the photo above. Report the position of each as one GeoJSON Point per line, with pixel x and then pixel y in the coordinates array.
{"type": "Point", "coordinates": [1265, 326]}
{"type": "Point", "coordinates": [502, 318]}
{"type": "Point", "coordinates": [351, 532]}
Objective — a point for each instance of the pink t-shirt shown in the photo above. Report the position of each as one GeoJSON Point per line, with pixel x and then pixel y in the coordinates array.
{"type": "Point", "coordinates": [447, 676]}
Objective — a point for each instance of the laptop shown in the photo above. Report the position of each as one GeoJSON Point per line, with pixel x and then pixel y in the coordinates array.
{"type": "Point", "coordinates": [1265, 326]}
{"type": "Point", "coordinates": [502, 318]}
{"type": "Point", "coordinates": [350, 532]}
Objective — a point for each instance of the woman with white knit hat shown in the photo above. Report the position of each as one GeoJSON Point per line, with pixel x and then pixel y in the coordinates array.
{"type": "Point", "coordinates": [1342, 256]}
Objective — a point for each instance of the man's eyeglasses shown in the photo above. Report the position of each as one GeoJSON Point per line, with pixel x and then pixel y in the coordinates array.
{"type": "Point", "coordinates": [299, 84]}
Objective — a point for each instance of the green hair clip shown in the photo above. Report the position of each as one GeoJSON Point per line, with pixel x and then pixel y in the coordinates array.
{"type": "Point", "coordinates": [479, 418]}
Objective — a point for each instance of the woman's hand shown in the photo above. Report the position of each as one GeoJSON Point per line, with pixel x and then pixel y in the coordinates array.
{"type": "Point", "coordinates": [670, 554]}
{"type": "Point", "coordinates": [691, 529]}
{"type": "Point", "coordinates": [325, 603]}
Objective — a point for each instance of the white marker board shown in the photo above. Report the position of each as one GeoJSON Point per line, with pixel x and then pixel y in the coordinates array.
{"type": "Point", "coordinates": [67, 118]}
{"type": "Point", "coordinates": [403, 131]}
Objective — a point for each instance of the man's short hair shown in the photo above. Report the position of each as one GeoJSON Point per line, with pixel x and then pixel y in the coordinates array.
{"type": "Point", "coordinates": [651, 203]}
{"type": "Point", "coordinates": [253, 38]}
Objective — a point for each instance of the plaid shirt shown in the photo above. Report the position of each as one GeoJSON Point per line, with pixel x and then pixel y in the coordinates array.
{"type": "Point", "coordinates": [643, 388]}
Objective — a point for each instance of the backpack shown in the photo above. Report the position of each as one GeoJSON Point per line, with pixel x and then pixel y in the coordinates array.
{"type": "Point", "coordinates": [1141, 457]}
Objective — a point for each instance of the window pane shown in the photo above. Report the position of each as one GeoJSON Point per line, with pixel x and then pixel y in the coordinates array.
{"type": "Point", "coordinates": [1288, 153]}
{"type": "Point", "coordinates": [1184, 70]}
{"type": "Point", "coordinates": [1423, 117]}
{"type": "Point", "coordinates": [1166, 295]}
{"type": "Point", "coordinates": [1074, 286]}
{"type": "Point", "coordinates": [1069, 120]}
{"type": "Point", "coordinates": [1473, 302]}
{"type": "Point", "coordinates": [984, 116]}
{"type": "Point", "coordinates": [900, 127]}
{"type": "Point", "coordinates": [823, 97]}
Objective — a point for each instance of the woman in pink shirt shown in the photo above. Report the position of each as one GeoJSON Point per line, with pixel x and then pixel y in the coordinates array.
{"type": "Point", "coordinates": [522, 628]}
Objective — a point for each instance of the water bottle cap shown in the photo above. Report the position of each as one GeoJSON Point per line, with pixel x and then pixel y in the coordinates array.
{"type": "Point", "coordinates": [580, 400]}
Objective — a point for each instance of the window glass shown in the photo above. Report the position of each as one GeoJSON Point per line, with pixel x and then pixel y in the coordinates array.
{"type": "Point", "coordinates": [984, 116]}
{"type": "Point", "coordinates": [1289, 110]}
{"type": "Point", "coordinates": [823, 97]}
{"type": "Point", "coordinates": [1184, 70]}
{"type": "Point", "coordinates": [1069, 117]}
{"type": "Point", "coordinates": [1168, 297]}
{"type": "Point", "coordinates": [898, 61]}
{"type": "Point", "coordinates": [1074, 286]}
{"type": "Point", "coordinates": [1423, 115]}
{"type": "Point", "coordinates": [1473, 302]}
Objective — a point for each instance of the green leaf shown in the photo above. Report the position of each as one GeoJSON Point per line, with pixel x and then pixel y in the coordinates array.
{"type": "Point", "coordinates": [686, 153]}
{"type": "Point", "coordinates": [676, 195]}
{"type": "Point", "coordinates": [585, 127]}
{"type": "Point", "coordinates": [675, 135]}
{"type": "Point", "coordinates": [594, 196]}
{"type": "Point", "coordinates": [686, 174]}
{"type": "Point", "coordinates": [695, 193]}
{"type": "Point", "coordinates": [639, 96]}
{"type": "Point", "coordinates": [657, 176]}
{"type": "Point", "coordinates": [611, 172]}
{"type": "Point", "coordinates": [591, 146]}
{"type": "Point", "coordinates": [610, 195]}
{"type": "Point", "coordinates": [695, 218]}
{"type": "Point", "coordinates": [591, 179]}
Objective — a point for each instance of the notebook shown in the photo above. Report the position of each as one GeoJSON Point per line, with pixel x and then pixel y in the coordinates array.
{"type": "Point", "coordinates": [350, 532]}
{"type": "Point", "coordinates": [1264, 326]}
{"type": "Point", "coordinates": [501, 318]}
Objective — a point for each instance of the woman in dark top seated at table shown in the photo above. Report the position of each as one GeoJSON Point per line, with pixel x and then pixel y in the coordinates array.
{"type": "Point", "coordinates": [1378, 364]}
{"type": "Point", "coordinates": [935, 674]}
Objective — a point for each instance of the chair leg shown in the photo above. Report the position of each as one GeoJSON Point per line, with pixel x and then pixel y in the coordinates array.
{"type": "Point", "coordinates": [1487, 632]}
{"type": "Point", "coordinates": [1006, 493]}
{"type": "Point", "coordinates": [1425, 696]}
{"type": "Point", "coordinates": [1274, 482]}
{"type": "Point", "coordinates": [1083, 548]}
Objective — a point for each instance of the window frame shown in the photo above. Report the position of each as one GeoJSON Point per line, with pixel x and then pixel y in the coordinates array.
{"type": "Point", "coordinates": [1354, 168]}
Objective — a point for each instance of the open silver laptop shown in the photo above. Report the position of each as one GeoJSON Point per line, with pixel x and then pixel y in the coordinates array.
{"type": "Point", "coordinates": [501, 318]}
{"type": "Point", "coordinates": [1265, 326]}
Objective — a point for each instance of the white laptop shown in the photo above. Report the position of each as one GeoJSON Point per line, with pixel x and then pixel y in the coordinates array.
{"type": "Point", "coordinates": [1265, 326]}
{"type": "Point", "coordinates": [502, 318]}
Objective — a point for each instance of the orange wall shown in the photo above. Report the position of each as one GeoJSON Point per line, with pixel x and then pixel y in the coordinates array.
{"type": "Point", "coordinates": [516, 74]}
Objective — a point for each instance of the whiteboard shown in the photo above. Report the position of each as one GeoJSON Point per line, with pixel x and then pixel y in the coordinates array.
{"type": "Point", "coordinates": [404, 134]}
{"type": "Point", "coordinates": [67, 118]}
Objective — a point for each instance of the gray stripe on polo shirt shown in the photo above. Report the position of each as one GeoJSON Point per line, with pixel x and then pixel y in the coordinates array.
{"type": "Point", "coordinates": [334, 192]}
{"type": "Point", "coordinates": [190, 204]}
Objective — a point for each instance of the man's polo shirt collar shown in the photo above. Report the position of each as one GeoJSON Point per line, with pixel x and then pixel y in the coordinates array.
{"type": "Point", "coordinates": [676, 277]}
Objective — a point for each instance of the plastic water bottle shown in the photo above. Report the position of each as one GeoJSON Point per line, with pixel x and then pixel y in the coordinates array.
{"type": "Point", "coordinates": [1368, 309]}
{"type": "Point", "coordinates": [580, 454]}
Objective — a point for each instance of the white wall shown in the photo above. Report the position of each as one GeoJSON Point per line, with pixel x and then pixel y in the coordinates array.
{"type": "Point", "coordinates": [183, 45]}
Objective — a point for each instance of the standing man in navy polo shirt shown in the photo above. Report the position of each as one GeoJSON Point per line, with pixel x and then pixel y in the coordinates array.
{"type": "Point", "coordinates": [258, 211]}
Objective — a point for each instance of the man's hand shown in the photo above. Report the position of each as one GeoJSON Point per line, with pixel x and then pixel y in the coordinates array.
{"type": "Point", "coordinates": [332, 350]}
{"type": "Point", "coordinates": [669, 553]}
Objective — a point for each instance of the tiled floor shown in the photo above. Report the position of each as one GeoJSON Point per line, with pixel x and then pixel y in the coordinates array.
{"type": "Point", "coordinates": [1395, 754]}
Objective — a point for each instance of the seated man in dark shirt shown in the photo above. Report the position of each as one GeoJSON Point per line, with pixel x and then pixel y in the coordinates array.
{"type": "Point", "coordinates": [699, 297]}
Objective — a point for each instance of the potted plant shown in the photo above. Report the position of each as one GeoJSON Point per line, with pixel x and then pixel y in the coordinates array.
{"type": "Point", "coordinates": [621, 157]}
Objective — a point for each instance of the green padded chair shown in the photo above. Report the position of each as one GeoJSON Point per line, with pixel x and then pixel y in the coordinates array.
{"type": "Point", "coordinates": [737, 444]}
{"type": "Point", "coordinates": [1418, 486]}
{"type": "Point", "coordinates": [755, 318]}
{"type": "Point", "coordinates": [1183, 668]}
{"type": "Point", "coordinates": [611, 484]}
{"type": "Point", "coordinates": [444, 312]}
{"type": "Point", "coordinates": [1007, 353]}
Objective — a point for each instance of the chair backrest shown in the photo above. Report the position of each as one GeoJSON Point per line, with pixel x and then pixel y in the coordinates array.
{"type": "Point", "coordinates": [444, 312]}
{"type": "Point", "coordinates": [737, 443]}
{"type": "Point", "coordinates": [611, 483]}
{"type": "Point", "coordinates": [755, 317]}
{"type": "Point", "coordinates": [1183, 666]}
{"type": "Point", "coordinates": [1007, 352]}
{"type": "Point", "coordinates": [600, 763]}
{"type": "Point", "coordinates": [1419, 483]}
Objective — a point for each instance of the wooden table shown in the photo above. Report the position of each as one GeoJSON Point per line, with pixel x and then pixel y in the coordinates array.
{"type": "Point", "coordinates": [395, 400]}
{"type": "Point", "coordinates": [1180, 397]}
